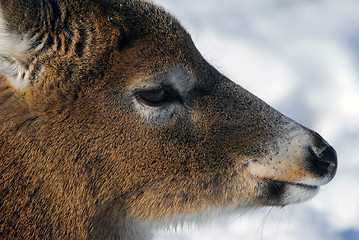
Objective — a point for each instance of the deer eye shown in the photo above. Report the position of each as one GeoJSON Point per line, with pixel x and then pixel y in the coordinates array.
{"type": "Point", "coordinates": [156, 97]}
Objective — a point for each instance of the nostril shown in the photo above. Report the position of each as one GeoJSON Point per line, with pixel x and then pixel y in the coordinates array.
{"type": "Point", "coordinates": [329, 155]}
{"type": "Point", "coordinates": [326, 162]}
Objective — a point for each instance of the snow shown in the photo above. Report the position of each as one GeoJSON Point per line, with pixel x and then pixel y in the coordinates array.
{"type": "Point", "coordinates": [301, 57]}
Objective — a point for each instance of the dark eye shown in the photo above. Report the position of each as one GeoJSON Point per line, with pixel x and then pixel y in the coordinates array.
{"type": "Point", "coordinates": [156, 97]}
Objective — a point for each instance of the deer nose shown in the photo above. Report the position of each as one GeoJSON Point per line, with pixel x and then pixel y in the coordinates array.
{"type": "Point", "coordinates": [325, 163]}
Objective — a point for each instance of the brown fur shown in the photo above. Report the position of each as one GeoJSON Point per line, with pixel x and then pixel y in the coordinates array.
{"type": "Point", "coordinates": [78, 161]}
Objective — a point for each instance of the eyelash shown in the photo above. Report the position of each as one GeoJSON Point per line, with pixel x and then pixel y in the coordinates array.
{"type": "Point", "coordinates": [157, 97]}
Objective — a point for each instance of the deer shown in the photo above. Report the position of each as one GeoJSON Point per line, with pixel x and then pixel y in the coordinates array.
{"type": "Point", "coordinates": [113, 124]}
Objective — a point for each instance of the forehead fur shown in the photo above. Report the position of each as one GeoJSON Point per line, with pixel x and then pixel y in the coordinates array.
{"type": "Point", "coordinates": [138, 17]}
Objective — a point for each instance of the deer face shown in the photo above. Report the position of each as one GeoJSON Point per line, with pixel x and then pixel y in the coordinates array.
{"type": "Point", "coordinates": [206, 140]}
{"type": "Point", "coordinates": [115, 107]}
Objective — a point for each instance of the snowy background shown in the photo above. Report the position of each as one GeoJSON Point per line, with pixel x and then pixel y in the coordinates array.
{"type": "Point", "coordinates": [301, 57]}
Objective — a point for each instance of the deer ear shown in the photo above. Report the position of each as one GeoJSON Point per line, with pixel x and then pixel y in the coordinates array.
{"type": "Point", "coordinates": [22, 31]}
{"type": "Point", "coordinates": [15, 58]}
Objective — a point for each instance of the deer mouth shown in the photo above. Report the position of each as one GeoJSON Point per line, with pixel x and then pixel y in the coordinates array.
{"type": "Point", "coordinates": [281, 193]}
{"type": "Point", "coordinates": [304, 186]}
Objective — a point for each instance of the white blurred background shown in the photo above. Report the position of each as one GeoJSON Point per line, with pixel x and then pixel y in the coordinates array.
{"type": "Point", "coordinates": [301, 57]}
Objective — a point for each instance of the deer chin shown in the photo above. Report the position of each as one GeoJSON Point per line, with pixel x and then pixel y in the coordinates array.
{"type": "Point", "coordinates": [282, 193]}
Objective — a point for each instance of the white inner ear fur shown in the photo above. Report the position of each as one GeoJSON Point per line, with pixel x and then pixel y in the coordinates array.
{"type": "Point", "coordinates": [16, 62]}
